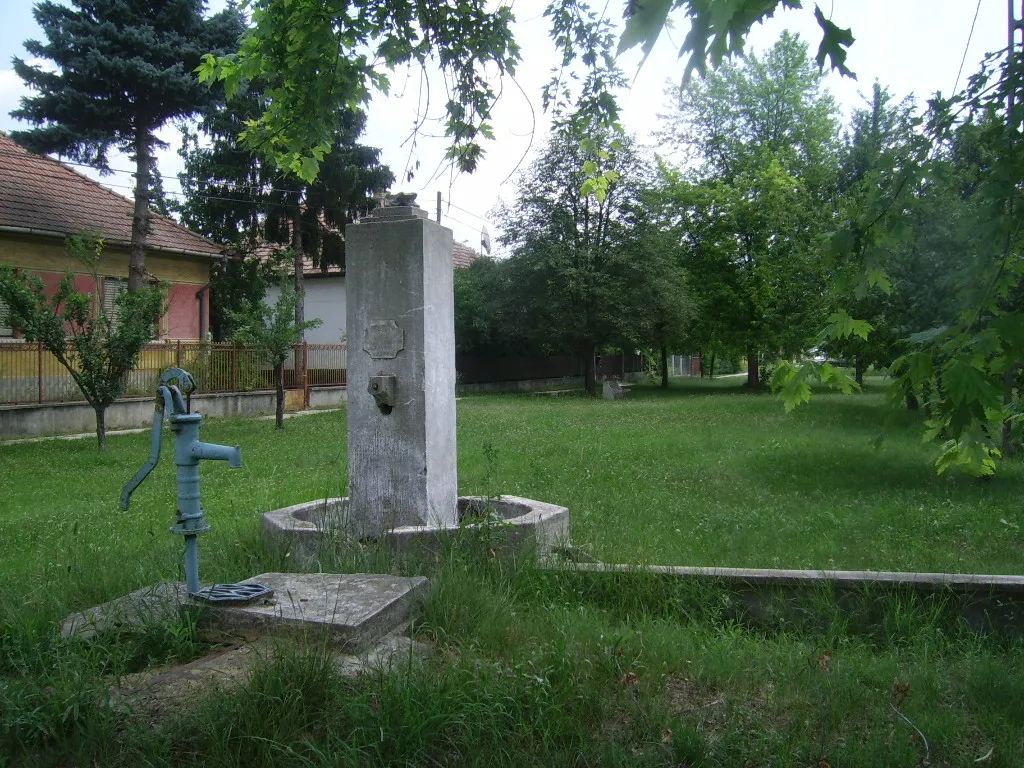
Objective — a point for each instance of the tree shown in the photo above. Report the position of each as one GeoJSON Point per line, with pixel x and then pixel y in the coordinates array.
{"type": "Point", "coordinates": [763, 132]}
{"type": "Point", "coordinates": [120, 70]}
{"type": "Point", "coordinates": [664, 319]}
{"type": "Point", "coordinates": [314, 61]}
{"type": "Point", "coordinates": [274, 332]}
{"type": "Point", "coordinates": [902, 283]}
{"type": "Point", "coordinates": [235, 283]}
{"type": "Point", "coordinates": [98, 349]}
{"type": "Point", "coordinates": [234, 195]}
{"type": "Point", "coordinates": [581, 276]}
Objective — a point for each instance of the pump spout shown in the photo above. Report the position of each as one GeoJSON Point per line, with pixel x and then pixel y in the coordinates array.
{"type": "Point", "coordinates": [232, 455]}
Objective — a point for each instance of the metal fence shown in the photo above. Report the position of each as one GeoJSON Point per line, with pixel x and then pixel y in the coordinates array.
{"type": "Point", "coordinates": [30, 374]}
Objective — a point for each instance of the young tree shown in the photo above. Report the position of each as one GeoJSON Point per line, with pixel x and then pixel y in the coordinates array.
{"type": "Point", "coordinates": [764, 133]}
{"type": "Point", "coordinates": [569, 249]}
{"type": "Point", "coordinates": [274, 332]}
{"type": "Point", "coordinates": [98, 349]}
{"type": "Point", "coordinates": [665, 316]}
{"type": "Point", "coordinates": [120, 69]}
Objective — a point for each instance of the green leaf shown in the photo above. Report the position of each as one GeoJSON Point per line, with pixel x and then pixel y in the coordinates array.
{"type": "Point", "coordinates": [307, 168]}
{"type": "Point", "coordinates": [792, 383]}
{"type": "Point", "coordinates": [878, 278]}
{"type": "Point", "coordinates": [841, 243]}
{"type": "Point", "coordinates": [966, 384]}
{"type": "Point", "coordinates": [842, 326]}
{"type": "Point", "coordinates": [833, 41]}
{"type": "Point", "coordinates": [590, 168]}
{"type": "Point", "coordinates": [836, 378]}
{"type": "Point", "coordinates": [644, 26]}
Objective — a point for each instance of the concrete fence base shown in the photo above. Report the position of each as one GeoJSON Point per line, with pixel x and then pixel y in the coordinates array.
{"type": "Point", "coordinates": [771, 599]}
{"type": "Point", "coordinates": [72, 418]}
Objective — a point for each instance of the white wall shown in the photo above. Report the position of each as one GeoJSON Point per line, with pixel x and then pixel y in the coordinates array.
{"type": "Point", "coordinates": [325, 299]}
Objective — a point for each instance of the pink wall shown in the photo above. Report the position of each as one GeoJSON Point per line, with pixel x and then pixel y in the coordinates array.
{"type": "Point", "coordinates": [82, 284]}
{"type": "Point", "coordinates": [182, 318]}
{"type": "Point", "coordinates": [183, 312]}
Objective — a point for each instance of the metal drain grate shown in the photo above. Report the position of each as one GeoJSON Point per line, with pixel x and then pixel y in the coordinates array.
{"type": "Point", "coordinates": [232, 593]}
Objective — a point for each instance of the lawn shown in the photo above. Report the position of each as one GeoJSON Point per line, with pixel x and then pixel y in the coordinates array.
{"type": "Point", "coordinates": [530, 668]}
{"type": "Point", "coordinates": [691, 476]}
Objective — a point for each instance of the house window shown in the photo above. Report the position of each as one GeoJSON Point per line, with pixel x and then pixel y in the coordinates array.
{"type": "Point", "coordinates": [112, 288]}
{"type": "Point", "coordinates": [5, 324]}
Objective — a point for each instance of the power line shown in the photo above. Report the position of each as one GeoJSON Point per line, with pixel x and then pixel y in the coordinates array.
{"type": "Point", "coordinates": [966, 47]}
{"type": "Point", "coordinates": [471, 226]}
{"type": "Point", "coordinates": [177, 178]}
{"type": "Point", "coordinates": [460, 208]}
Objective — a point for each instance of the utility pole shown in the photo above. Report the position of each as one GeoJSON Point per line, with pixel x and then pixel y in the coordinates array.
{"type": "Point", "coordinates": [439, 191]}
{"type": "Point", "coordinates": [1014, 40]}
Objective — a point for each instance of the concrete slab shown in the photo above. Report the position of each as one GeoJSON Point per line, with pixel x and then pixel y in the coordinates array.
{"type": "Point", "coordinates": [147, 607]}
{"type": "Point", "coordinates": [354, 609]}
{"type": "Point", "coordinates": [168, 689]}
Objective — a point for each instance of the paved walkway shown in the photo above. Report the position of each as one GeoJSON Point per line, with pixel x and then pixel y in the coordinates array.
{"type": "Point", "coordinates": [137, 430]}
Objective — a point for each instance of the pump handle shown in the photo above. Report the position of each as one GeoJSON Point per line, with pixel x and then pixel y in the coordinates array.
{"type": "Point", "coordinates": [163, 397]}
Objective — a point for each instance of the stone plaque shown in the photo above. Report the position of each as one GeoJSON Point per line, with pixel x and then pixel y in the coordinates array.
{"type": "Point", "coordinates": [383, 339]}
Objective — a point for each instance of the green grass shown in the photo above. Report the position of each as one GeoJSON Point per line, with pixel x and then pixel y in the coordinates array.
{"type": "Point", "coordinates": [692, 476]}
{"type": "Point", "coordinates": [531, 668]}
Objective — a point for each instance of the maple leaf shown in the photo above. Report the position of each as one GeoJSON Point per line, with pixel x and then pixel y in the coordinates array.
{"type": "Point", "coordinates": [834, 39]}
{"type": "Point", "coordinates": [644, 26]}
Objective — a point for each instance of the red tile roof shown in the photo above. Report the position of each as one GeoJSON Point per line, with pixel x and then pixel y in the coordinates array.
{"type": "Point", "coordinates": [41, 194]}
{"type": "Point", "coordinates": [463, 255]}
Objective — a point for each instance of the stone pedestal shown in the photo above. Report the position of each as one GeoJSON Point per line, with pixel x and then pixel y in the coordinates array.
{"type": "Point", "coordinates": [401, 372]}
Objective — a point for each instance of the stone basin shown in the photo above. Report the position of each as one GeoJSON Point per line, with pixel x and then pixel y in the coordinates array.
{"type": "Point", "coordinates": [511, 526]}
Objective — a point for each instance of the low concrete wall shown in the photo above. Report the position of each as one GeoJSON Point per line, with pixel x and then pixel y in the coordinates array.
{"type": "Point", "coordinates": [768, 598]}
{"type": "Point", "coordinates": [566, 382]}
{"type": "Point", "coordinates": [327, 397]}
{"type": "Point", "coordinates": [70, 418]}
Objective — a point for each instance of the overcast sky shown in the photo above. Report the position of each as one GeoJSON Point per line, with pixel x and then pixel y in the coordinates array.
{"type": "Point", "coordinates": [911, 46]}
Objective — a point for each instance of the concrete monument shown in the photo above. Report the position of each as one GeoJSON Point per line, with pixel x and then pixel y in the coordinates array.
{"type": "Point", "coordinates": [401, 372]}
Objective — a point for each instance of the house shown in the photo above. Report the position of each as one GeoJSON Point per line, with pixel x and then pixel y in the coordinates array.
{"type": "Point", "coordinates": [325, 296]}
{"type": "Point", "coordinates": [43, 201]}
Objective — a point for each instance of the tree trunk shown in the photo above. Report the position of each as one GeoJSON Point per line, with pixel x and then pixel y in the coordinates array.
{"type": "Point", "coordinates": [711, 369]}
{"type": "Point", "coordinates": [664, 367]}
{"type": "Point", "coordinates": [589, 369]}
{"type": "Point", "coordinates": [279, 378]}
{"type": "Point", "coordinates": [858, 371]}
{"type": "Point", "coordinates": [101, 426]}
{"type": "Point", "coordinates": [300, 306]}
{"type": "Point", "coordinates": [140, 216]}
{"type": "Point", "coordinates": [753, 370]}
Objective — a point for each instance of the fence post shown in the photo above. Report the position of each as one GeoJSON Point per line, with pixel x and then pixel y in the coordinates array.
{"type": "Point", "coordinates": [234, 367]}
{"type": "Point", "coordinates": [39, 358]}
{"type": "Point", "coordinates": [177, 356]}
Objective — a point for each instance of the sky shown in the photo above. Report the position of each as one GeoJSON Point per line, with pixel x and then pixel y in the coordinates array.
{"type": "Point", "coordinates": [911, 46]}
